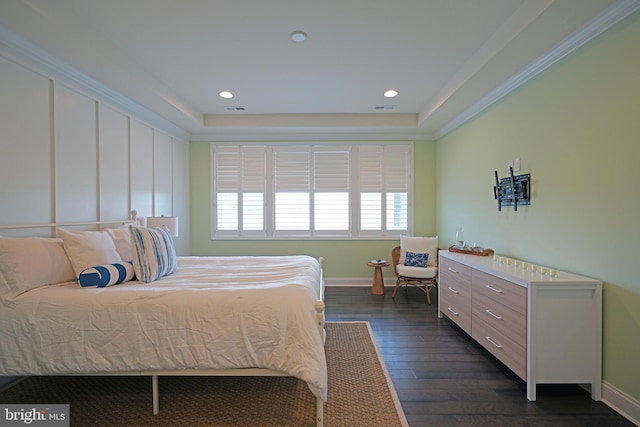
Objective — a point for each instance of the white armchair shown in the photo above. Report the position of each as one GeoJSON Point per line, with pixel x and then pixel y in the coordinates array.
{"type": "Point", "coordinates": [415, 262]}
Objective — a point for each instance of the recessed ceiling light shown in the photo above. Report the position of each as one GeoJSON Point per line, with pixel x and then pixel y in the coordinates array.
{"type": "Point", "coordinates": [225, 94]}
{"type": "Point", "coordinates": [298, 36]}
{"type": "Point", "coordinates": [391, 93]}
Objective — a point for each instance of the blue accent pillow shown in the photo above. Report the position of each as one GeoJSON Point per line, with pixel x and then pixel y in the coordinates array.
{"type": "Point", "coordinates": [155, 253]}
{"type": "Point", "coordinates": [106, 275]}
{"type": "Point", "coordinates": [414, 259]}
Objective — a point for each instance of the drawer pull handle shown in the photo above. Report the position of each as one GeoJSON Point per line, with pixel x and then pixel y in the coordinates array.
{"type": "Point", "coordinates": [452, 290]}
{"type": "Point", "coordinates": [500, 291]}
{"type": "Point", "coordinates": [452, 270]}
{"type": "Point", "coordinates": [493, 342]}
{"type": "Point", "coordinates": [453, 311]}
{"type": "Point", "coordinates": [489, 312]}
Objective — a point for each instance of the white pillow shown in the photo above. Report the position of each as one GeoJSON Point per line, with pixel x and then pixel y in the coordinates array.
{"type": "Point", "coordinates": [121, 237]}
{"type": "Point", "coordinates": [88, 248]}
{"type": "Point", "coordinates": [419, 245]}
{"type": "Point", "coordinates": [30, 262]}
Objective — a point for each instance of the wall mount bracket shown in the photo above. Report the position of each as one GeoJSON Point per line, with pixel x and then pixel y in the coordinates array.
{"type": "Point", "coordinates": [513, 190]}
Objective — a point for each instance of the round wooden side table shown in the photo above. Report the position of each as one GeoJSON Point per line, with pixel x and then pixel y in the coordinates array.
{"type": "Point", "coordinates": [377, 287]}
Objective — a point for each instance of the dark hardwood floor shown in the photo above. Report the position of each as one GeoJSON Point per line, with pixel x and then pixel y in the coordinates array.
{"type": "Point", "coordinates": [444, 378]}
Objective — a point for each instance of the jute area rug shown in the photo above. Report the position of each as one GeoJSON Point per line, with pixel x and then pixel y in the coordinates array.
{"type": "Point", "coordinates": [360, 393]}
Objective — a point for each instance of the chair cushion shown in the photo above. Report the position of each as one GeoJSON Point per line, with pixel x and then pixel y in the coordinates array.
{"type": "Point", "coordinates": [420, 245]}
{"type": "Point", "coordinates": [417, 272]}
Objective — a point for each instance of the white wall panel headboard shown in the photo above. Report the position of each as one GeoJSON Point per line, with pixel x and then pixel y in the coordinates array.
{"type": "Point", "coordinates": [75, 156]}
{"type": "Point", "coordinates": [25, 143]}
{"type": "Point", "coordinates": [68, 157]}
{"type": "Point", "coordinates": [113, 137]}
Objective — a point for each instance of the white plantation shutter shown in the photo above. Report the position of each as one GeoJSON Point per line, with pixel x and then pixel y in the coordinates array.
{"type": "Point", "coordinates": [239, 185]}
{"type": "Point", "coordinates": [226, 168]}
{"type": "Point", "coordinates": [253, 169]}
{"type": "Point", "coordinates": [396, 168]}
{"type": "Point", "coordinates": [384, 179]}
{"type": "Point", "coordinates": [331, 179]}
{"type": "Point", "coordinates": [291, 168]}
{"type": "Point", "coordinates": [254, 179]}
{"type": "Point", "coordinates": [311, 190]}
{"type": "Point", "coordinates": [370, 179]}
{"type": "Point", "coordinates": [369, 168]}
{"type": "Point", "coordinates": [331, 168]}
{"type": "Point", "coordinates": [225, 180]}
{"type": "Point", "coordinates": [292, 186]}
{"type": "Point", "coordinates": [397, 179]}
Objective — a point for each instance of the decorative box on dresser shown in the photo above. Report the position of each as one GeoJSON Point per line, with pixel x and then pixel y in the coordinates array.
{"type": "Point", "coordinates": [547, 329]}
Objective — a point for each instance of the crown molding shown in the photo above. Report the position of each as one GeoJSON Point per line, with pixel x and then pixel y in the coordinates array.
{"type": "Point", "coordinates": [27, 55]}
{"type": "Point", "coordinates": [320, 134]}
{"type": "Point", "coordinates": [607, 19]}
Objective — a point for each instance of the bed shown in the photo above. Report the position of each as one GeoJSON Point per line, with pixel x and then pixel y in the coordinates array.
{"type": "Point", "coordinates": [231, 315]}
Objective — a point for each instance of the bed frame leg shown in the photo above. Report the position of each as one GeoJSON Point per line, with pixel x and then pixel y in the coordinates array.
{"type": "Point", "coordinates": [156, 399]}
{"type": "Point", "coordinates": [319, 412]}
{"type": "Point", "coordinates": [320, 319]}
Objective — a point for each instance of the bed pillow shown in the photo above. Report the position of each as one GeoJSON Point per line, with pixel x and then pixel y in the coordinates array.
{"type": "Point", "coordinates": [121, 237]}
{"type": "Point", "coordinates": [154, 254]}
{"type": "Point", "coordinates": [416, 259]}
{"type": "Point", "coordinates": [30, 262]}
{"type": "Point", "coordinates": [420, 245]}
{"type": "Point", "coordinates": [88, 248]}
{"type": "Point", "coordinates": [106, 275]}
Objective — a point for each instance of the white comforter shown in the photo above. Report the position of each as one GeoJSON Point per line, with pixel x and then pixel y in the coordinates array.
{"type": "Point", "coordinates": [214, 313]}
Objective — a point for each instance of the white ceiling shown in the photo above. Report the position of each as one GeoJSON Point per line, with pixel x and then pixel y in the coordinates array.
{"type": "Point", "coordinates": [447, 58]}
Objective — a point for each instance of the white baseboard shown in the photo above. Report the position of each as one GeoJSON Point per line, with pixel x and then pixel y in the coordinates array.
{"type": "Point", "coordinates": [356, 281]}
{"type": "Point", "coordinates": [621, 402]}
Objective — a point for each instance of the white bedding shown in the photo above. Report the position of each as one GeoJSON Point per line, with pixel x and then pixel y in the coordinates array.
{"type": "Point", "coordinates": [213, 313]}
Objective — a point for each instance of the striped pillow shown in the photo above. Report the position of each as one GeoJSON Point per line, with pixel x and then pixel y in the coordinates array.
{"type": "Point", "coordinates": [106, 275]}
{"type": "Point", "coordinates": [154, 255]}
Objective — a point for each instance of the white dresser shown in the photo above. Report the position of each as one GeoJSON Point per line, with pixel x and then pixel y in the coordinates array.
{"type": "Point", "coordinates": [548, 330]}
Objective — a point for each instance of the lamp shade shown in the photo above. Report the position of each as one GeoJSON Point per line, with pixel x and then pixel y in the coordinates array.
{"type": "Point", "coordinates": [171, 222]}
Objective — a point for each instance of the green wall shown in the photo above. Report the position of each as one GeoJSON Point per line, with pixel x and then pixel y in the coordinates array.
{"type": "Point", "coordinates": [576, 129]}
{"type": "Point", "coordinates": [343, 259]}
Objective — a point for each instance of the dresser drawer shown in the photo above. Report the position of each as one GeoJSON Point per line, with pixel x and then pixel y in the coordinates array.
{"type": "Point", "coordinates": [506, 293]}
{"type": "Point", "coordinates": [511, 354]}
{"type": "Point", "coordinates": [504, 319]}
{"type": "Point", "coordinates": [456, 305]}
{"type": "Point", "coordinates": [454, 292]}
{"type": "Point", "coordinates": [454, 274]}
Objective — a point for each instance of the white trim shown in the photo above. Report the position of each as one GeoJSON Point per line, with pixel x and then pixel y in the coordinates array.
{"type": "Point", "coordinates": [25, 54]}
{"type": "Point", "coordinates": [597, 26]}
{"type": "Point", "coordinates": [64, 224]}
{"type": "Point", "coordinates": [227, 176]}
{"type": "Point", "coordinates": [361, 282]}
{"type": "Point", "coordinates": [509, 30]}
{"type": "Point", "coordinates": [322, 134]}
{"type": "Point", "coordinates": [621, 402]}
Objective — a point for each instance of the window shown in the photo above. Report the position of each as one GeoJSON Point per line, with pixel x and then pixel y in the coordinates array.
{"type": "Point", "coordinates": [311, 191]}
